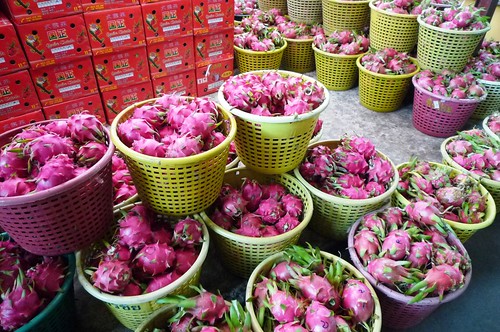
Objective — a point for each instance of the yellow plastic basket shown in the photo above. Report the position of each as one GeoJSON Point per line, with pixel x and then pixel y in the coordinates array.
{"type": "Point", "coordinates": [493, 187]}
{"type": "Point", "coordinates": [333, 216]}
{"type": "Point", "coordinates": [380, 92]}
{"type": "Point", "coordinates": [440, 48]}
{"type": "Point", "coordinates": [492, 102]}
{"type": "Point", "coordinates": [274, 145]}
{"type": "Point", "coordinates": [305, 11]}
{"type": "Point", "coordinates": [336, 71]}
{"type": "Point", "coordinates": [298, 56]}
{"type": "Point", "coordinates": [248, 60]}
{"type": "Point", "coordinates": [241, 254]}
{"type": "Point", "coordinates": [345, 15]}
{"type": "Point", "coordinates": [462, 230]}
{"type": "Point", "coordinates": [176, 186]}
{"type": "Point", "coordinates": [265, 266]}
{"type": "Point", "coordinates": [266, 5]}
{"type": "Point", "coordinates": [397, 31]}
{"type": "Point", "coordinates": [133, 310]}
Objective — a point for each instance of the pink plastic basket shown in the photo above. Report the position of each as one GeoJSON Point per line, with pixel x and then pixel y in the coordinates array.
{"type": "Point", "coordinates": [440, 116]}
{"type": "Point", "coordinates": [65, 218]}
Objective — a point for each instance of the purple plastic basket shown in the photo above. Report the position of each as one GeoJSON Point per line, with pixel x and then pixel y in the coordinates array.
{"type": "Point", "coordinates": [65, 218]}
{"type": "Point", "coordinates": [440, 116]}
{"type": "Point", "coordinates": [396, 312]}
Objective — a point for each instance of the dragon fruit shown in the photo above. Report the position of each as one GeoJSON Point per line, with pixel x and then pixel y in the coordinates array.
{"type": "Point", "coordinates": [345, 42]}
{"type": "Point", "coordinates": [48, 277]}
{"type": "Point", "coordinates": [438, 280]}
{"type": "Point", "coordinates": [112, 276]}
{"type": "Point", "coordinates": [42, 148]}
{"type": "Point", "coordinates": [251, 191]}
{"type": "Point", "coordinates": [284, 307]}
{"type": "Point", "coordinates": [357, 298]}
{"type": "Point", "coordinates": [290, 327]}
{"type": "Point", "coordinates": [319, 318]}
{"type": "Point", "coordinates": [185, 258]}
{"type": "Point", "coordinates": [15, 186]}
{"type": "Point", "coordinates": [450, 84]}
{"type": "Point", "coordinates": [13, 162]}
{"type": "Point", "coordinates": [57, 170]}
{"type": "Point", "coordinates": [316, 288]}
{"type": "Point", "coordinates": [286, 223]}
{"type": "Point", "coordinates": [135, 230]}
{"type": "Point", "coordinates": [284, 271]}
{"type": "Point", "coordinates": [271, 210]}
{"type": "Point", "coordinates": [90, 153]}
{"type": "Point", "coordinates": [155, 258]}
{"type": "Point", "coordinates": [150, 147]}
{"type": "Point", "coordinates": [396, 244]}
{"type": "Point", "coordinates": [188, 232]}
{"type": "Point", "coordinates": [463, 18]}
{"type": "Point", "coordinates": [367, 245]}
{"type": "Point", "coordinates": [388, 271]}
{"type": "Point", "coordinates": [420, 254]}
{"type": "Point", "coordinates": [161, 281]}
{"type": "Point", "coordinates": [134, 129]}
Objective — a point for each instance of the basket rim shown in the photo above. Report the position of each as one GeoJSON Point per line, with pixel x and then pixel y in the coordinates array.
{"type": "Point", "coordinates": [448, 99]}
{"type": "Point", "coordinates": [486, 82]}
{"type": "Point", "coordinates": [487, 129]}
{"type": "Point", "coordinates": [349, 1]}
{"type": "Point", "coordinates": [263, 240]}
{"type": "Point", "coordinates": [490, 212]}
{"type": "Point", "coordinates": [170, 161]}
{"type": "Point", "coordinates": [316, 137]}
{"type": "Point", "coordinates": [63, 187]}
{"type": "Point", "coordinates": [297, 40]}
{"type": "Point", "coordinates": [377, 325]}
{"type": "Point", "coordinates": [251, 52]}
{"type": "Point", "coordinates": [278, 119]}
{"type": "Point", "coordinates": [453, 32]}
{"type": "Point", "coordinates": [233, 163]}
{"type": "Point", "coordinates": [386, 76]}
{"type": "Point", "coordinates": [332, 55]}
{"type": "Point", "coordinates": [385, 12]}
{"type": "Point", "coordinates": [148, 297]}
{"type": "Point", "coordinates": [348, 201]}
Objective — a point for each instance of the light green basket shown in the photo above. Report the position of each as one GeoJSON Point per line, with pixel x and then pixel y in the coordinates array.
{"type": "Point", "coordinates": [488, 130]}
{"type": "Point", "coordinates": [266, 5]}
{"type": "Point", "coordinates": [298, 56]}
{"type": "Point", "coordinates": [248, 60]}
{"type": "Point", "coordinates": [492, 102]}
{"type": "Point", "coordinates": [336, 71]}
{"type": "Point", "coordinates": [305, 11]}
{"type": "Point", "coordinates": [333, 216]}
{"type": "Point", "coordinates": [345, 15]}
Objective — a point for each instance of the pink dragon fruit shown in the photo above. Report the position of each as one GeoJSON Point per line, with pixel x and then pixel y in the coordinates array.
{"type": "Point", "coordinates": [152, 114]}
{"type": "Point", "coordinates": [198, 124]}
{"type": "Point", "coordinates": [438, 280]}
{"type": "Point", "coordinates": [396, 244]}
{"type": "Point", "coordinates": [90, 153]}
{"type": "Point", "coordinates": [423, 213]}
{"type": "Point", "coordinates": [250, 225]}
{"type": "Point", "coordinates": [319, 318]}
{"type": "Point", "coordinates": [381, 171]}
{"type": "Point", "coordinates": [286, 223]}
{"type": "Point", "coordinates": [124, 192]}
{"type": "Point", "coordinates": [15, 186]}
{"type": "Point", "coordinates": [251, 191]}
{"type": "Point", "coordinates": [161, 281]}
{"type": "Point", "coordinates": [85, 127]}
{"type": "Point", "coordinates": [273, 190]}
{"type": "Point", "coordinates": [13, 162]}
{"type": "Point", "coordinates": [30, 133]}
{"type": "Point", "coordinates": [118, 252]}
{"type": "Point", "coordinates": [290, 327]}
{"type": "Point", "coordinates": [388, 271]}
{"type": "Point", "coordinates": [450, 196]}
{"type": "Point", "coordinates": [55, 171]}
{"type": "Point", "coordinates": [184, 146]}
{"type": "Point", "coordinates": [284, 307]}
{"type": "Point", "coordinates": [284, 271]}
{"type": "Point", "coordinates": [132, 289]}
{"type": "Point", "coordinates": [134, 129]}
{"type": "Point", "coordinates": [42, 148]}
{"type": "Point", "coordinates": [271, 210]}
{"type": "Point", "coordinates": [155, 258]}
{"type": "Point", "coordinates": [206, 306]}
{"type": "Point", "coordinates": [112, 276]}
{"type": "Point", "coordinates": [367, 245]}
{"type": "Point", "coordinates": [134, 230]}
{"type": "Point", "coordinates": [150, 147]}
{"type": "Point", "coordinates": [221, 219]}
{"type": "Point", "coordinates": [59, 127]}
{"type": "Point", "coordinates": [316, 288]}
{"type": "Point", "coordinates": [420, 254]}
{"type": "Point", "coordinates": [48, 277]}
{"type": "Point", "coordinates": [292, 204]}
{"type": "Point", "coordinates": [185, 258]}
{"type": "Point", "coordinates": [352, 162]}
{"type": "Point", "coordinates": [188, 232]}
{"type": "Point", "coordinates": [357, 298]}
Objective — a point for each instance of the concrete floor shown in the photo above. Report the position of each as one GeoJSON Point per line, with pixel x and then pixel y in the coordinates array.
{"type": "Point", "coordinates": [394, 135]}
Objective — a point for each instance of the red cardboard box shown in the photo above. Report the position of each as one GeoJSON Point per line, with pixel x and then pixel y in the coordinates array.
{"type": "Point", "coordinates": [214, 47]}
{"type": "Point", "coordinates": [115, 70]}
{"type": "Point", "coordinates": [211, 77]}
{"type": "Point", "coordinates": [63, 82]}
{"type": "Point", "coordinates": [12, 57]}
{"type": "Point", "coordinates": [27, 11]}
{"type": "Point", "coordinates": [182, 83]}
{"type": "Point", "coordinates": [91, 103]}
{"type": "Point", "coordinates": [212, 15]}
{"type": "Point", "coordinates": [167, 18]}
{"type": "Point", "coordinates": [21, 120]}
{"type": "Point", "coordinates": [17, 94]}
{"type": "Point", "coordinates": [60, 39]}
{"type": "Point", "coordinates": [115, 29]}
{"type": "Point", "coordinates": [173, 56]}
{"type": "Point", "coordinates": [117, 100]}
{"type": "Point", "coordinates": [93, 5]}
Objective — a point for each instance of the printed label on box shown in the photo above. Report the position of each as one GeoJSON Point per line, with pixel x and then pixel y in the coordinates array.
{"type": "Point", "coordinates": [27, 11]}
{"type": "Point", "coordinates": [214, 47]}
{"type": "Point", "coordinates": [211, 77]}
{"type": "Point", "coordinates": [183, 84]}
{"type": "Point", "coordinates": [94, 5]}
{"type": "Point", "coordinates": [91, 104]}
{"type": "Point", "coordinates": [212, 15]}
{"type": "Point", "coordinates": [13, 122]}
{"type": "Point", "coordinates": [117, 100]}
{"type": "Point", "coordinates": [173, 56]}
{"type": "Point", "coordinates": [12, 57]}
{"type": "Point", "coordinates": [167, 18]}
{"type": "Point", "coordinates": [17, 94]}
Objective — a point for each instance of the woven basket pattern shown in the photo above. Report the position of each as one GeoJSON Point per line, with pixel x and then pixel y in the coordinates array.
{"type": "Point", "coordinates": [396, 31]}
{"type": "Point", "coordinates": [298, 56]}
{"type": "Point", "coordinates": [241, 254]}
{"type": "Point", "coordinates": [265, 5]}
{"type": "Point", "coordinates": [492, 102]}
{"type": "Point", "coordinates": [382, 93]}
{"type": "Point", "coordinates": [305, 11]}
{"type": "Point", "coordinates": [439, 48]}
{"type": "Point", "coordinates": [248, 60]}
{"type": "Point", "coordinates": [345, 15]}
{"type": "Point", "coordinates": [335, 71]}
{"type": "Point", "coordinates": [440, 116]}
{"type": "Point", "coordinates": [176, 186]}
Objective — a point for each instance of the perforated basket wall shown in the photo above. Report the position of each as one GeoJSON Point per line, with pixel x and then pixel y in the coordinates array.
{"type": "Point", "coordinates": [440, 116]}
{"type": "Point", "coordinates": [443, 48]}
{"type": "Point", "coordinates": [333, 216]}
{"type": "Point", "coordinates": [382, 93]}
{"type": "Point", "coordinates": [176, 186]}
{"type": "Point", "coordinates": [345, 15]}
{"type": "Point", "coordinates": [64, 218]}
{"type": "Point", "coordinates": [492, 102]}
{"type": "Point", "coordinates": [265, 5]}
{"type": "Point", "coordinates": [248, 60]}
{"type": "Point", "coordinates": [336, 71]}
{"type": "Point", "coordinates": [241, 254]}
{"type": "Point", "coordinates": [488, 130]}
{"type": "Point", "coordinates": [305, 11]}
{"type": "Point", "coordinates": [298, 56]}
{"type": "Point", "coordinates": [396, 31]}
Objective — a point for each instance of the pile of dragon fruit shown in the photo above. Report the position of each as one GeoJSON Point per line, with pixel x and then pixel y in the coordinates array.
{"type": "Point", "coordinates": [410, 252]}
{"type": "Point", "coordinates": [174, 127]}
{"type": "Point", "coordinates": [28, 284]}
{"type": "Point", "coordinates": [456, 195]}
{"type": "Point", "coordinates": [413, 7]}
{"type": "Point", "coordinates": [345, 42]}
{"type": "Point", "coordinates": [352, 170]}
{"type": "Point", "coordinates": [493, 123]}
{"type": "Point", "coordinates": [44, 156]}
{"type": "Point", "coordinates": [293, 30]}
{"type": "Point", "coordinates": [146, 253]}
{"type": "Point", "coordinates": [123, 185]}
{"type": "Point", "coordinates": [266, 39]}
{"type": "Point", "coordinates": [486, 65]}
{"type": "Point", "coordinates": [388, 62]}
{"type": "Point", "coordinates": [475, 151]}
{"type": "Point", "coordinates": [257, 209]}
{"type": "Point", "coordinates": [450, 84]}
{"type": "Point", "coordinates": [273, 94]}
{"type": "Point", "coordinates": [244, 7]}
{"type": "Point", "coordinates": [463, 18]}
{"type": "Point", "coordinates": [308, 292]}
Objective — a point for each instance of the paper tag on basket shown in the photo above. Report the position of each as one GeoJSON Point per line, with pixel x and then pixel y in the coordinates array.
{"type": "Point", "coordinates": [436, 104]}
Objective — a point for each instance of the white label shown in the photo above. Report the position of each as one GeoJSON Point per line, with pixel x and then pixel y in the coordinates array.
{"type": "Point", "coordinates": [435, 103]}
{"type": "Point", "coordinates": [49, 3]}
{"type": "Point", "coordinates": [62, 49]}
{"type": "Point", "coordinates": [70, 88]}
{"type": "Point", "coordinates": [9, 104]}
{"type": "Point", "coordinates": [211, 54]}
{"type": "Point", "coordinates": [202, 80]}
{"type": "Point", "coordinates": [119, 38]}
{"type": "Point", "coordinates": [215, 85]}
{"type": "Point", "coordinates": [2, 60]}
{"type": "Point", "coordinates": [215, 20]}
{"type": "Point", "coordinates": [171, 64]}
{"type": "Point", "coordinates": [171, 28]}
{"type": "Point", "coordinates": [123, 76]}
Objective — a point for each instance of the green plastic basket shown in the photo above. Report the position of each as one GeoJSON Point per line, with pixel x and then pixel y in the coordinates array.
{"type": "Point", "coordinates": [266, 5]}
{"type": "Point", "coordinates": [381, 92]}
{"type": "Point", "coordinates": [298, 56]}
{"type": "Point", "coordinates": [248, 60]}
{"type": "Point", "coordinates": [492, 102]}
{"type": "Point", "coordinates": [446, 49]}
{"type": "Point", "coordinates": [332, 215]}
{"type": "Point", "coordinates": [397, 31]}
{"type": "Point", "coordinates": [488, 130]}
{"type": "Point", "coordinates": [336, 71]}
{"type": "Point", "coordinates": [345, 15]}
{"type": "Point", "coordinates": [305, 11]}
